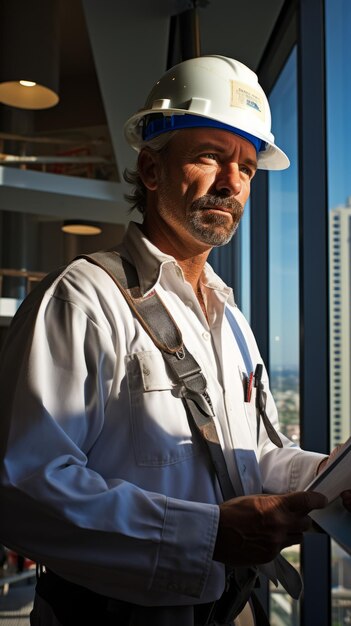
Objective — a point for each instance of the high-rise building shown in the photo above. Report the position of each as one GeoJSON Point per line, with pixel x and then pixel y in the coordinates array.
{"type": "Point", "coordinates": [340, 322]}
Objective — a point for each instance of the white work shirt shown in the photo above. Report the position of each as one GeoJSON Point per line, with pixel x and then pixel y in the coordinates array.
{"type": "Point", "coordinates": [102, 479]}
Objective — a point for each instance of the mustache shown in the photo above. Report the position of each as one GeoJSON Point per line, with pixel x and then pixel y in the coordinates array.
{"type": "Point", "coordinates": [220, 202]}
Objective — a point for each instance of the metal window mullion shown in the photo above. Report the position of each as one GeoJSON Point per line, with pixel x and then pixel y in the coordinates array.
{"type": "Point", "coordinates": [259, 291]}
{"type": "Point", "coordinates": [313, 216]}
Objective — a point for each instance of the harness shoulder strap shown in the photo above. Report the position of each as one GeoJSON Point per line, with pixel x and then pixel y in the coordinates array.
{"type": "Point", "coordinates": [166, 336]}
{"type": "Point", "coordinates": [163, 330]}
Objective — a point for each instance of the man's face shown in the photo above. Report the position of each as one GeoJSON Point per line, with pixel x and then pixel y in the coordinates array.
{"type": "Point", "coordinates": [203, 182]}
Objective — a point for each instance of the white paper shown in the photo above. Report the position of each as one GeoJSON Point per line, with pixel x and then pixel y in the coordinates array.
{"type": "Point", "coordinates": [336, 521]}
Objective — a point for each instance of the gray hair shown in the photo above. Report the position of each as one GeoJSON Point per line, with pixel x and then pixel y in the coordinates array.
{"type": "Point", "coordinates": [137, 198]}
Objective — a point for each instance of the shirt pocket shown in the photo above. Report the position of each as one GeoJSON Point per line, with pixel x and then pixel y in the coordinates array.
{"type": "Point", "coordinates": [251, 416]}
{"type": "Point", "coordinates": [160, 429]}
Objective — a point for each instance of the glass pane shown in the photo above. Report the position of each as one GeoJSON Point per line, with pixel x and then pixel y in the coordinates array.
{"type": "Point", "coordinates": [245, 296]}
{"type": "Point", "coordinates": [283, 292]}
{"type": "Point", "coordinates": [232, 263]}
{"type": "Point", "coordinates": [338, 34]}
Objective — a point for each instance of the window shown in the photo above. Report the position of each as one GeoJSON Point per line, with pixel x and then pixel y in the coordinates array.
{"type": "Point", "coordinates": [244, 231]}
{"type": "Point", "coordinates": [283, 289]}
{"type": "Point", "coordinates": [283, 251]}
{"type": "Point", "coordinates": [338, 83]}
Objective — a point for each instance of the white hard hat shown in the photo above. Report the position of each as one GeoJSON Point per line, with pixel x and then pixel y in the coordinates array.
{"type": "Point", "coordinates": [209, 91]}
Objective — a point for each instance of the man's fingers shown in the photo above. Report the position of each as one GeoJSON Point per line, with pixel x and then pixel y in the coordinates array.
{"type": "Point", "coordinates": [315, 500]}
{"type": "Point", "coordinates": [302, 502]}
{"type": "Point", "coordinates": [254, 529]}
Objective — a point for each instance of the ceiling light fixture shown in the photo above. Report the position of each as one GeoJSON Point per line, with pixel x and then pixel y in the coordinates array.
{"type": "Point", "coordinates": [29, 54]}
{"type": "Point", "coordinates": [81, 227]}
{"type": "Point", "coordinates": [27, 83]}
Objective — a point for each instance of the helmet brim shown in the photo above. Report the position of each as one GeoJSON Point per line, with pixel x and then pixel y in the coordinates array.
{"type": "Point", "coordinates": [271, 158]}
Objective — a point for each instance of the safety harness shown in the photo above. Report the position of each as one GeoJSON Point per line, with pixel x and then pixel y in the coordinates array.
{"type": "Point", "coordinates": [163, 330]}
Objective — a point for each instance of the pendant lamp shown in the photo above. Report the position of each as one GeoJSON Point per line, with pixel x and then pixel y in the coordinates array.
{"type": "Point", "coordinates": [81, 227]}
{"type": "Point", "coordinates": [29, 53]}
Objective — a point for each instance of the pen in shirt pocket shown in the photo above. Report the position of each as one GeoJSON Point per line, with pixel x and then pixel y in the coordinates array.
{"type": "Point", "coordinates": [248, 387]}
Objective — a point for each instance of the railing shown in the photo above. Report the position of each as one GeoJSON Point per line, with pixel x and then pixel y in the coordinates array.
{"type": "Point", "coordinates": [31, 277]}
{"type": "Point", "coordinates": [9, 579]}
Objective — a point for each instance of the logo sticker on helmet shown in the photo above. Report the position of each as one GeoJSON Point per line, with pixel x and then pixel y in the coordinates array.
{"type": "Point", "coordinates": [243, 98]}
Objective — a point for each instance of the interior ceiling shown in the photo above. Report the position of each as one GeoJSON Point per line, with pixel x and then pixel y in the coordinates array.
{"type": "Point", "coordinates": [226, 27]}
{"type": "Point", "coordinates": [229, 27]}
{"type": "Point", "coordinates": [111, 53]}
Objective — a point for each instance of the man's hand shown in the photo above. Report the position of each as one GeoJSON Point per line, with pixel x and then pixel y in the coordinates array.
{"type": "Point", "coordinates": [323, 464]}
{"type": "Point", "coordinates": [254, 529]}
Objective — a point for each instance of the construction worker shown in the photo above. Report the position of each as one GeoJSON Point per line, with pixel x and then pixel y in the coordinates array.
{"type": "Point", "coordinates": [149, 499]}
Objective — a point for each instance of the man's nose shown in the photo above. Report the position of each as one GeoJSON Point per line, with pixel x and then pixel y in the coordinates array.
{"type": "Point", "coordinates": [228, 181]}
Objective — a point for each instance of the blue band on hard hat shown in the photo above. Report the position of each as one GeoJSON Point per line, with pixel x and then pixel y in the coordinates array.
{"type": "Point", "coordinates": [158, 125]}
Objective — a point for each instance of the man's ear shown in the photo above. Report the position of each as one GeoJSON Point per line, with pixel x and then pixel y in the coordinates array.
{"type": "Point", "coordinates": [148, 168]}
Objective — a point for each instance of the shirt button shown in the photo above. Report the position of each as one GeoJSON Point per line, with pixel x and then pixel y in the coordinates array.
{"type": "Point", "coordinates": [206, 335]}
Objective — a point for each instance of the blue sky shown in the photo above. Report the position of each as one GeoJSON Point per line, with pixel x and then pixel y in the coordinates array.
{"type": "Point", "coordinates": [338, 63]}
{"type": "Point", "coordinates": [283, 226]}
{"type": "Point", "coordinates": [283, 229]}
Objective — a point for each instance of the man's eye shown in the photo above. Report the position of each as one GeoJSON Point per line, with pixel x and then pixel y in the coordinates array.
{"type": "Point", "coordinates": [246, 170]}
{"type": "Point", "coordinates": [209, 155]}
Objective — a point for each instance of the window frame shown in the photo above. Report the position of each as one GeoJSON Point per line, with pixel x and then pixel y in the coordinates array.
{"type": "Point", "coordinates": [301, 23]}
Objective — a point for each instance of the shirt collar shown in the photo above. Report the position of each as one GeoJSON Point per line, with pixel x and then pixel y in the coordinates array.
{"type": "Point", "coordinates": [149, 262]}
{"type": "Point", "coordinates": [213, 281]}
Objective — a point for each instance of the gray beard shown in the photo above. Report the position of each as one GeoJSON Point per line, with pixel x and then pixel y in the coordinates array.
{"type": "Point", "coordinates": [204, 226]}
